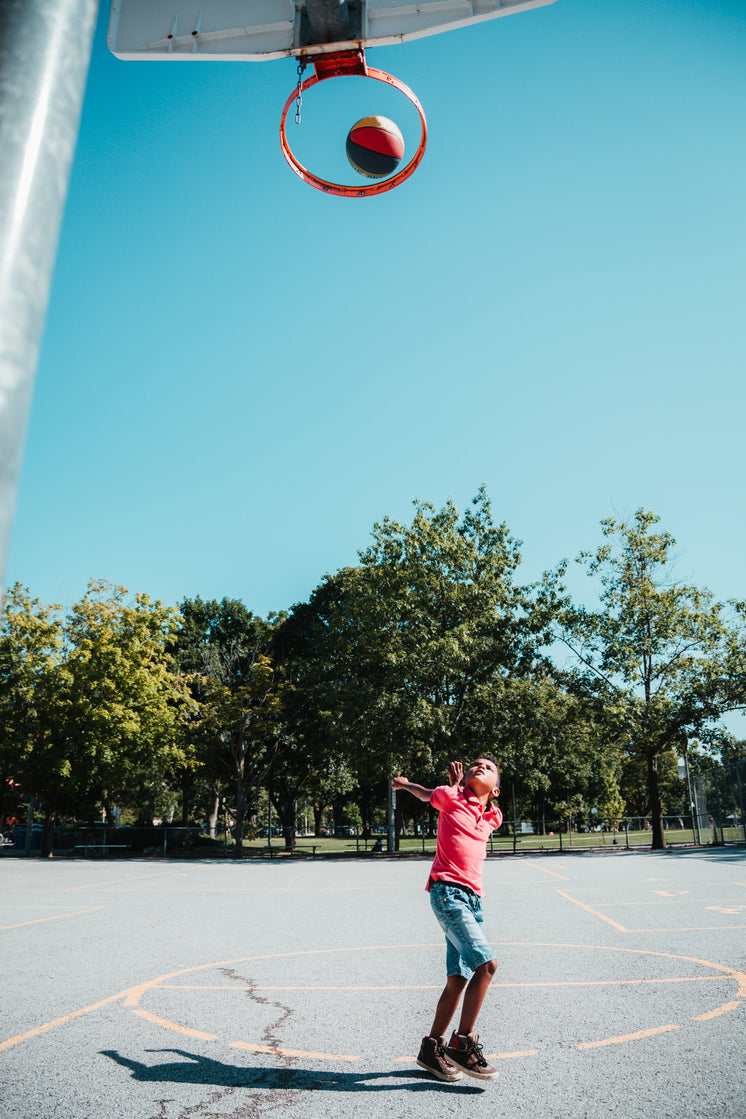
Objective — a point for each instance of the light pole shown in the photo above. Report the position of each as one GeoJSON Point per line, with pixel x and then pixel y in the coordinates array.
{"type": "Point", "coordinates": [692, 797]}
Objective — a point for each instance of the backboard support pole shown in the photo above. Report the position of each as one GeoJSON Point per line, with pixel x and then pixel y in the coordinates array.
{"type": "Point", "coordinates": [329, 20]}
{"type": "Point", "coordinates": [45, 50]}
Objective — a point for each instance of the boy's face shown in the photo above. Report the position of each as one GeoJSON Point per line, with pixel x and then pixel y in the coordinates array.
{"type": "Point", "coordinates": [481, 778]}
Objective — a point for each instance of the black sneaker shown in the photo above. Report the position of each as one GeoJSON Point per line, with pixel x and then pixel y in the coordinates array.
{"type": "Point", "coordinates": [464, 1051]}
{"type": "Point", "coordinates": [432, 1058]}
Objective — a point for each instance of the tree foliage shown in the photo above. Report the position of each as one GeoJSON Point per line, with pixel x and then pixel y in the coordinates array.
{"type": "Point", "coordinates": [88, 701]}
{"type": "Point", "coordinates": [663, 658]}
{"type": "Point", "coordinates": [415, 655]}
{"type": "Point", "coordinates": [429, 648]}
{"type": "Point", "coordinates": [240, 695]}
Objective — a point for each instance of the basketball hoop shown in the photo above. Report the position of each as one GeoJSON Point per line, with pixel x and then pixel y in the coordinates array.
{"type": "Point", "coordinates": [343, 64]}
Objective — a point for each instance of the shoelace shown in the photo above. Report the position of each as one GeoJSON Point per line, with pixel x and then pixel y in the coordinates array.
{"type": "Point", "coordinates": [477, 1051]}
{"type": "Point", "coordinates": [441, 1051]}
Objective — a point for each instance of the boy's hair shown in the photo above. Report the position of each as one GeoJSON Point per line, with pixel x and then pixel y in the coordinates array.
{"type": "Point", "coordinates": [487, 758]}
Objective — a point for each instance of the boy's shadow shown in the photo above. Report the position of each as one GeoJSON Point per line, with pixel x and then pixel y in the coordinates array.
{"type": "Point", "coordinates": [202, 1070]}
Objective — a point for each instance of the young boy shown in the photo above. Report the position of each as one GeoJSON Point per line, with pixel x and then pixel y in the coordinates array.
{"type": "Point", "coordinates": [467, 819]}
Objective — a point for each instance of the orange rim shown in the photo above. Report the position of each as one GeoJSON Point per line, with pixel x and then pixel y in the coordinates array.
{"type": "Point", "coordinates": [339, 188]}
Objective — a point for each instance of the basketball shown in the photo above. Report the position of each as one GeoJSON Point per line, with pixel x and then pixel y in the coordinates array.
{"type": "Point", "coordinates": [375, 147]}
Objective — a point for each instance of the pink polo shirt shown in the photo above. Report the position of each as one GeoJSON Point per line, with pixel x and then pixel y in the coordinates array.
{"type": "Point", "coordinates": [463, 831]}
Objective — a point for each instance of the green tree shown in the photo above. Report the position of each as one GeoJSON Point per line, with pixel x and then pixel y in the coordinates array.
{"type": "Point", "coordinates": [242, 695]}
{"type": "Point", "coordinates": [91, 701]}
{"type": "Point", "coordinates": [662, 658]}
{"type": "Point", "coordinates": [413, 655]}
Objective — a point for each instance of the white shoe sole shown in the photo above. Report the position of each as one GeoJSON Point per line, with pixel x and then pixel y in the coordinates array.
{"type": "Point", "coordinates": [475, 1075]}
{"type": "Point", "coordinates": [439, 1075]}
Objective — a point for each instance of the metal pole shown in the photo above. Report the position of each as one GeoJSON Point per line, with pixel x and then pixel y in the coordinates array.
{"type": "Point", "coordinates": [391, 820]}
{"type": "Point", "coordinates": [689, 786]}
{"type": "Point", "coordinates": [29, 826]}
{"type": "Point", "coordinates": [515, 821]}
{"type": "Point", "coordinates": [695, 816]}
{"type": "Point", "coordinates": [720, 818]}
{"type": "Point", "coordinates": [45, 49]}
{"type": "Point", "coordinates": [692, 799]}
{"type": "Point", "coordinates": [740, 795]}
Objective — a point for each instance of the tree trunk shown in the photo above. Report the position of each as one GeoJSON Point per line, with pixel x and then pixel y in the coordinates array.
{"type": "Point", "coordinates": [108, 817]}
{"type": "Point", "coordinates": [187, 784]}
{"type": "Point", "coordinates": [285, 808]}
{"type": "Point", "coordinates": [656, 804]}
{"type": "Point", "coordinates": [212, 819]}
{"type": "Point", "coordinates": [240, 813]}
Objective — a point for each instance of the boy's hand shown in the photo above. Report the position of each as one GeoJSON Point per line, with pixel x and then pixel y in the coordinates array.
{"type": "Point", "coordinates": [399, 783]}
{"type": "Point", "coordinates": [455, 773]}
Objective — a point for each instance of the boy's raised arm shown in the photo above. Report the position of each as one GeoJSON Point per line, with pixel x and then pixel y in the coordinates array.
{"type": "Point", "coordinates": [409, 786]}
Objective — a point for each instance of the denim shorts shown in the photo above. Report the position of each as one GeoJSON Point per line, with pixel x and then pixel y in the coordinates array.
{"type": "Point", "coordinates": [459, 914]}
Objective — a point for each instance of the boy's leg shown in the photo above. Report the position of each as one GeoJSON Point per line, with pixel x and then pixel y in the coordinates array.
{"type": "Point", "coordinates": [464, 1050]}
{"type": "Point", "coordinates": [432, 1056]}
{"type": "Point", "coordinates": [447, 1004]}
{"type": "Point", "coordinates": [474, 997]}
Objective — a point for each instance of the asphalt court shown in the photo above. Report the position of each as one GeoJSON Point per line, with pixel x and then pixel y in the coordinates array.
{"type": "Point", "coordinates": [176, 989]}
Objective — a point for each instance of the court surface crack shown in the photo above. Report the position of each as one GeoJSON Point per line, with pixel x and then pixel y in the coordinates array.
{"type": "Point", "coordinates": [269, 1036]}
{"type": "Point", "coordinates": [243, 1102]}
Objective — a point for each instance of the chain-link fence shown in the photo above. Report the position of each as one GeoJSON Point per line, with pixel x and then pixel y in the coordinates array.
{"type": "Point", "coordinates": [717, 817]}
{"type": "Point", "coordinates": [627, 832]}
{"type": "Point", "coordinates": [100, 839]}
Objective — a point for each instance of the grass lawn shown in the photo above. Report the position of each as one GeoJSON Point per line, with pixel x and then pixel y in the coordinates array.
{"type": "Point", "coordinates": [348, 845]}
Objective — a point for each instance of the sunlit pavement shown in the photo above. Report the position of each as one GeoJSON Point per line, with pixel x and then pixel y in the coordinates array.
{"type": "Point", "coordinates": [156, 989]}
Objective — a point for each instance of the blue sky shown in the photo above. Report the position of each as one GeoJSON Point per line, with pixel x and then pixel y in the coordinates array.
{"type": "Point", "coordinates": [240, 375]}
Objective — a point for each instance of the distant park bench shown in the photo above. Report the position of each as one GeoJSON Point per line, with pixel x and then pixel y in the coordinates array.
{"type": "Point", "coordinates": [101, 847]}
{"type": "Point", "coordinates": [272, 851]}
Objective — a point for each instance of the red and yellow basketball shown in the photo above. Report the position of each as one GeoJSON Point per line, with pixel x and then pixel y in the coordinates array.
{"type": "Point", "coordinates": [375, 147]}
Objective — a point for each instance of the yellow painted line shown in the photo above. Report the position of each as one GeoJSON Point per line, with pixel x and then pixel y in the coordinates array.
{"type": "Point", "coordinates": [546, 871]}
{"type": "Point", "coordinates": [625, 1037]}
{"type": "Point", "coordinates": [174, 1026]}
{"type": "Point", "coordinates": [132, 995]}
{"type": "Point", "coordinates": [724, 1009]}
{"type": "Point", "coordinates": [129, 878]}
{"type": "Point", "coordinates": [58, 1022]}
{"type": "Point", "coordinates": [675, 900]}
{"type": "Point", "coordinates": [439, 986]}
{"type": "Point", "coordinates": [349, 987]}
{"type": "Point", "coordinates": [275, 1052]}
{"type": "Point", "coordinates": [57, 917]}
{"type": "Point", "coordinates": [517, 1053]}
{"type": "Point", "coordinates": [594, 912]}
{"type": "Point", "coordinates": [690, 928]}
{"type": "Point", "coordinates": [734, 973]}
{"type": "Point", "coordinates": [616, 982]}
{"type": "Point", "coordinates": [135, 993]}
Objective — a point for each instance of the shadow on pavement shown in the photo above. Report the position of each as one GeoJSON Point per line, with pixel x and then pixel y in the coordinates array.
{"type": "Point", "coordinates": [712, 854]}
{"type": "Point", "coordinates": [194, 1069]}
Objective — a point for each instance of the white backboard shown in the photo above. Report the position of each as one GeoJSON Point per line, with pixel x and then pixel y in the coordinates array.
{"type": "Point", "coordinates": [254, 30]}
